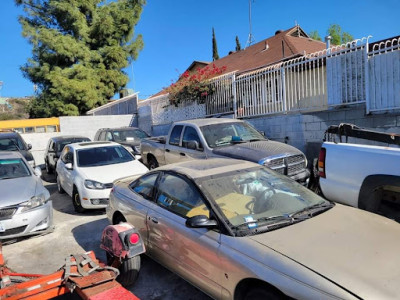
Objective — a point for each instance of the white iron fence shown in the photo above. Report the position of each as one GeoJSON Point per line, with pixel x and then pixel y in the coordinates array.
{"type": "Point", "coordinates": [352, 73]}
{"type": "Point", "coordinates": [384, 76]}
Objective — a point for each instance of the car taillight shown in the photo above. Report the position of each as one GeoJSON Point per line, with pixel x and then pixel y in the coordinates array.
{"type": "Point", "coordinates": [134, 238]}
{"type": "Point", "coordinates": [321, 163]}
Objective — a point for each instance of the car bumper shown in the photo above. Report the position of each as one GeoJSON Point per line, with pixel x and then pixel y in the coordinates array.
{"type": "Point", "coordinates": [36, 221]}
{"type": "Point", "coordinates": [95, 199]}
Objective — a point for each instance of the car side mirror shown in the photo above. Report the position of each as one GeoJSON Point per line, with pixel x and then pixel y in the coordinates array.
{"type": "Point", "coordinates": [262, 132]}
{"type": "Point", "coordinates": [68, 166]}
{"type": "Point", "coordinates": [193, 145]}
{"type": "Point", "coordinates": [201, 221]}
{"type": "Point", "coordinates": [37, 171]}
{"type": "Point", "coordinates": [29, 146]}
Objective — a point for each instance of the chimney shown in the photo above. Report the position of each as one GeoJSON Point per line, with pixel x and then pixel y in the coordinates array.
{"type": "Point", "coordinates": [328, 41]}
{"type": "Point", "coordinates": [266, 46]}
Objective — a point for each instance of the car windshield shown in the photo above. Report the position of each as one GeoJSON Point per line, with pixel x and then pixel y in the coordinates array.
{"type": "Point", "coordinates": [129, 135]}
{"type": "Point", "coordinates": [11, 144]}
{"type": "Point", "coordinates": [61, 144]}
{"type": "Point", "coordinates": [101, 156]}
{"type": "Point", "coordinates": [13, 168]}
{"type": "Point", "coordinates": [256, 197]}
{"type": "Point", "coordinates": [223, 134]}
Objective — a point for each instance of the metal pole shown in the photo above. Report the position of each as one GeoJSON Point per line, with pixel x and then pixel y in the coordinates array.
{"type": "Point", "coordinates": [367, 97]}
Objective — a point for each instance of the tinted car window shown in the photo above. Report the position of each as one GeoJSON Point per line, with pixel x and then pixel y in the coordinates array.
{"type": "Point", "coordinates": [13, 168]}
{"type": "Point", "coordinates": [62, 144]}
{"type": "Point", "coordinates": [131, 134]}
{"type": "Point", "coordinates": [11, 144]}
{"type": "Point", "coordinates": [144, 186]}
{"type": "Point", "coordinates": [190, 134]}
{"type": "Point", "coordinates": [178, 195]}
{"type": "Point", "coordinates": [101, 156]}
{"type": "Point", "coordinates": [175, 135]}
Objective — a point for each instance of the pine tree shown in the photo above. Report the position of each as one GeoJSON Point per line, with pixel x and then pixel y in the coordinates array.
{"type": "Point", "coordinates": [79, 51]}
{"type": "Point", "coordinates": [238, 47]}
{"type": "Point", "coordinates": [215, 55]}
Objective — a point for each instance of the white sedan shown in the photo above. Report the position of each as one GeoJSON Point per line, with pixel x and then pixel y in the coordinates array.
{"type": "Point", "coordinates": [86, 172]}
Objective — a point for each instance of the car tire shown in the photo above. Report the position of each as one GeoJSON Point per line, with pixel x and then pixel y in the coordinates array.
{"type": "Point", "coordinates": [262, 293]}
{"type": "Point", "coordinates": [59, 187]}
{"type": "Point", "coordinates": [153, 163]}
{"type": "Point", "coordinates": [128, 270]}
{"type": "Point", "coordinates": [49, 170]}
{"type": "Point", "coordinates": [76, 201]}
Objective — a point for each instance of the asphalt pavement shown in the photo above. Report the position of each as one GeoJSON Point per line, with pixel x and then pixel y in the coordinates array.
{"type": "Point", "coordinates": [78, 233]}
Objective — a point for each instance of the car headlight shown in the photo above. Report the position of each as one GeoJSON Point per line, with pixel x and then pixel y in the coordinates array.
{"type": "Point", "coordinates": [34, 202]}
{"type": "Point", "coordinates": [94, 185]}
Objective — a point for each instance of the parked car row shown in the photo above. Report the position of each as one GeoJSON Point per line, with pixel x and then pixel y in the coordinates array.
{"type": "Point", "coordinates": [235, 225]}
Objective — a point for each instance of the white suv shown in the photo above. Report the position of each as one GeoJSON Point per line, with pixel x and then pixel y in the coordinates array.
{"type": "Point", "coordinates": [86, 172]}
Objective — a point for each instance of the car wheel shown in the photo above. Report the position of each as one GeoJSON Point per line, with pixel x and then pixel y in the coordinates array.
{"type": "Point", "coordinates": [59, 187]}
{"type": "Point", "coordinates": [262, 293]}
{"type": "Point", "coordinates": [128, 270]}
{"type": "Point", "coordinates": [49, 170]}
{"type": "Point", "coordinates": [76, 200]}
{"type": "Point", "coordinates": [153, 163]}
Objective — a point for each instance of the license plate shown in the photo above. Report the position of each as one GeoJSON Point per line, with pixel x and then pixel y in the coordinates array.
{"type": "Point", "coordinates": [2, 229]}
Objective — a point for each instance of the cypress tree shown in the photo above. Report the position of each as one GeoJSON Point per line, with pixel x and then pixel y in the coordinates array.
{"type": "Point", "coordinates": [238, 47]}
{"type": "Point", "coordinates": [215, 55]}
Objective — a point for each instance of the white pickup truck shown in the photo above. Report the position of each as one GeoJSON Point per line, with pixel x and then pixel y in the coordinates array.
{"type": "Point", "coordinates": [356, 174]}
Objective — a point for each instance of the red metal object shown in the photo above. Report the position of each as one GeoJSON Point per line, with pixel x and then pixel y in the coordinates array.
{"type": "Point", "coordinates": [97, 283]}
{"type": "Point", "coordinates": [122, 241]}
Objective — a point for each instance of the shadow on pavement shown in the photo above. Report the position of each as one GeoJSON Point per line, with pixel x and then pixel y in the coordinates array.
{"type": "Point", "coordinates": [88, 236]}
{"type": "Point", "coordinates": [154, 282]}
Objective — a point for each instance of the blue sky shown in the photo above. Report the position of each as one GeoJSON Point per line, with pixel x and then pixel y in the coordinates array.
{"type": "Point", "coordinates": [177, 32]}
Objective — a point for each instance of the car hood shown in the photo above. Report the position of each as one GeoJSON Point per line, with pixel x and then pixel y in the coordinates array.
{"type": "Point", "coordinates": [130, 143]}
{"type": "Point", "coordinates": [17, 190]}
{"type": "Point", "coordinates": [355, 249]}
{"type": "Point", "coordinates": [255, 151]}
{"type": "Point", "coordinates": [109, 173]}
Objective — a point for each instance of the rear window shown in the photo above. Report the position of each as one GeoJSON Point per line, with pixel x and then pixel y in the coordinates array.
{"type": "Point", "coordinates": [101, 156]}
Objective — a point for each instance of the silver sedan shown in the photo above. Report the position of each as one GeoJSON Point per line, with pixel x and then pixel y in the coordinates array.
{"type": "Point", "coordinates": [25, 208]}
{"type": "Point", "coordinates": [237, 230]}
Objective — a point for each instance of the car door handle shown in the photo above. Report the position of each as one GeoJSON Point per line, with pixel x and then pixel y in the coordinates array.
{"type": "Point", "coordinates": [154, 220]}
{"type": "Point", "coordinates": [167, 150]}
{"type": "Point", "coordinates": [182, 154]}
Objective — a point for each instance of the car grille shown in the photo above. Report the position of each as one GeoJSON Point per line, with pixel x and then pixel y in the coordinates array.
{"type": "Point", "coordinates": [13, 231]}
{"type": "Point", "coordinates": [288, 165]}
{"type": "Point", "coordinates": [108, 185]}
{"type": "Point", "coordinates": [7, 212]}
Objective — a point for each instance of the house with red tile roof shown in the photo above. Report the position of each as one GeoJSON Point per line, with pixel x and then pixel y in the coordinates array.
{"type": "Point", "coordinates": [284, 45]}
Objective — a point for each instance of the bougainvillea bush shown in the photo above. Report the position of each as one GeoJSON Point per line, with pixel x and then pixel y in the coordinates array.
{"type": "Point", "coordinates": [193, 86]}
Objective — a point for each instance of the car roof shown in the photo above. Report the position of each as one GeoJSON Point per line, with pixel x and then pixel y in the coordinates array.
{"type": "Point", "coordinates": [86, 145]}
{"type": "Point", "coordinates": [199, 168]}
{"type": "Point", "coordinates": [68, 137]}
{"type": "Point", "coordinates": [209, 121]}
{"type": "Point", "coordinates": [8, 134]}
{"type": "Point", "coordinates": [121, 128]}
{"type": "Point", "coordinates": [10, 155]}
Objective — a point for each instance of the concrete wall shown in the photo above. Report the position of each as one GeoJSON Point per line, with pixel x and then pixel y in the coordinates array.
{"type": "Point", "coordinates": [306, 131]}
{"type": "Point", "coordinates": [82, 125]}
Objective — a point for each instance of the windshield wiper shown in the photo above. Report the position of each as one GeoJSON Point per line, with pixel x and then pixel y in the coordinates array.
{"type": "Point", "coordinates": [319, 207]}
{"type": "Point", "coordinates": [265, 221]}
